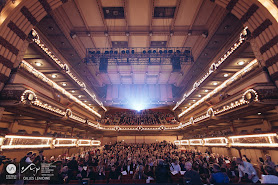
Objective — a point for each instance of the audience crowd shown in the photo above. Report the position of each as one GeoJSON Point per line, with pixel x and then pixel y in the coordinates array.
{"type": "Point", "coordinates": [157, 162]}
{"type": "Point", "coordinates": [143, 117]}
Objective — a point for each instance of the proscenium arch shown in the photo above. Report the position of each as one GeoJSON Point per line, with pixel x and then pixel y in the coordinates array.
{"type": "Point", "coordinates": [17, 19]}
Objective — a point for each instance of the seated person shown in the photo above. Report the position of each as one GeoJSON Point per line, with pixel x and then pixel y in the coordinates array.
{"type": "Point", "coordinates": [247, 173]}
{"type": "Point", "coordinates": [139, 174]}
{"type": "Point", "coordinates": [191, 177]}
{"type": "Point", "coordinates": [114, 174]}
{"type": "Point", "coordinates": [175, 165]}
{"type": "Point", "coordinates": [218, 176]}
{"type": "Point", "coordinates": [270, 178]}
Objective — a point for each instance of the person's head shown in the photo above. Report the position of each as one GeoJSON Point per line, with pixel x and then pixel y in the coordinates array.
{"type": "Point", "coordinates": [113, 168]}
{"type": "Point", "coordinates": [188, 165]}
{"type": "Point", "coordinates": [141, 168]}
{"type": "Point", "coordinates": [29, 154]}
{"type": "Point", "coordinates": [268, 158]}
{"type": "Point", "coordinates": [216, 167]}
{"type": "Point", "coordinates": [41, 152]}
{"type": "Point", "coordinates": [239, 161]}
{"type": "Point", "coordinates": [269, 170]}
{"type": "Point", "coordinates": [176, 160]}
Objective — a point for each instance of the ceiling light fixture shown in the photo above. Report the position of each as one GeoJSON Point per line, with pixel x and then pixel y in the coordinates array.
{"type": "Point", "coordinates": [214, 83]}
{"type": "Point", "coordinates": [199, 95]}
{"type": "Point", "coordinates": [194, 100]}
{"type": "Point", "coordinates": [73, 35]}
{"type": "Point", "coordinates": [64, 84]}
{"type": "Point", "coordinates": [206, 90]}
{"type": "Point", "coordinates": [79, 96]}
{"type": "Point", "coordinates": [73, 91]}
{"type": "Point", "coordinates": [205, 34]}
{"type": "Point", "coordinates": [54, 75]}
{"type": "Point", "coordinates": [38, 64]}
{"type": "Point", "coordinates": [226, 75]}
{"type": "Point", "coordinates": [240, 63]}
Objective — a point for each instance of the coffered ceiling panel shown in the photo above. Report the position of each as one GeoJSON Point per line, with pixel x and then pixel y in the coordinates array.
{"type": "Point", "coordinates": [176, 41]}
{"type": "Point", "coordinates": [112, 3]}
{"type": "Point", "coordinates": [187, 11]}
{"type": "Point", "coordinates": [135, 9]}
{"type": "Point", "coordinates": [91, 12]}
{"type": "Point", "coordinates": [138, 41]}
{"type": "Point", "coordinates": [73, 14]}
{"type": "Point", "coordinates": [101, 42]}
{"type": "Point", "coordinates": [87, 41]}
{"type": "Point", "coordinates": [204, 14]}
{"type": "Point", "coordinates": [165, 3]}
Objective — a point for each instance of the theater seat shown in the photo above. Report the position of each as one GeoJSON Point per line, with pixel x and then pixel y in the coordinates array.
{"type": "Point", "coordinates": [139, 181]}
{"type": "Point", "coordinates": [74, 182]}
{"type": "Point", "coordinates": [114, 181]}
{"type": "Point", "coordinates": [100, 181]}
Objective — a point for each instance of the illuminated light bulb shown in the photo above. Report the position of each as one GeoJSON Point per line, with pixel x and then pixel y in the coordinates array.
{"type": "Point", "coordinates": [64, 84]}
{"type": "Point", "coordinates": [189, 104]}
{"type": "Point", "coordinates": [214, 83]}
{"type": "Point", "coordinates": [240, 63]}
{"type": "Point", "coordinates": [38, 64]}
{"type": "Point", "coordinates": [199, 95]}
{"type": "Point", "coordinates": [194, 100]}
{"type": "Point", "coordinates": [226, 75]}
{"type": "Point", "coordinates": [79, 96]}
{"type": "Point", "coordinates": [85, 101]}
{"type": "Point", "coordinates": [206, 90]}
{"type": "Point", "coordinates": [54, 75]}
{"type": "Point", "coordinates": [73, 91]}
{"type": "Point", "coordinates": [89, 104]}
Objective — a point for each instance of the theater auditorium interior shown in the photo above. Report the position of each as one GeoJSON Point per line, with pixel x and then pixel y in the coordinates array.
{"type": "Point", "coordinates": [138, 91]}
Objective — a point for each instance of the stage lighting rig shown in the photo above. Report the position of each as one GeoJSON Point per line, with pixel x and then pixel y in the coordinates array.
{"type": "Point", "coordinates": [140, 56]}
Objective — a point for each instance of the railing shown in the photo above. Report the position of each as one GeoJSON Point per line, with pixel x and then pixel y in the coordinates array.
{"type": "Point", "coordinates": [254, 140]}
{"type": "Point", "coordinates": [24, 142]}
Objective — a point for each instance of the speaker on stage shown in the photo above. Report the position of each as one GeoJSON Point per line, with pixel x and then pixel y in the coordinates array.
{"type": "Point", "coordinates": [103, 65]}
{"type": "Point", "coordinates": [176, 64]}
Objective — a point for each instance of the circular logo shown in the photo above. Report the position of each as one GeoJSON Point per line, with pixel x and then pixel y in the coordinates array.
{"type": "Point", "coordinates": [11, 168]}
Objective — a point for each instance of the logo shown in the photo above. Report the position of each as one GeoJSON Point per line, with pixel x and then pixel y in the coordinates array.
{"type": "Point", "coordinates": [31, 167]}
{"type": "Point", "coordinates": [11, 168]}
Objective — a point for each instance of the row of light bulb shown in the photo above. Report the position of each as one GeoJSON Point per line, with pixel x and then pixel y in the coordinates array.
{"type": "Point", "coordinates": [214, 67]}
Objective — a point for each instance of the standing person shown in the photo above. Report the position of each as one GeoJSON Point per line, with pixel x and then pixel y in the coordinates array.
{"type": "Point", "coordinates": [247, 173]}
{"type": "Point", "coordinates": [39, 159]}
{"type": "Point", "coordinates": [218, 176]}
{"type": "Point", "coordinates": [191, 177]}
{"type": "Point", "coordinates": [26, 159]}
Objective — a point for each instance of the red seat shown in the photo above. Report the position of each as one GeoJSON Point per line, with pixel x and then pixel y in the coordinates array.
{"type": "Point", "coordinates": [74, 182]}
{"type": "Point", "coordinates": [100, 181]}
{"type": "Point", "coordinates": [139, 181]}
{"type": "Point", "coordinates": [126, 177]}
{"type": "Point", "coordinates": [114, 181]}
{"type": "Point", "coordinates": [126, 181]}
